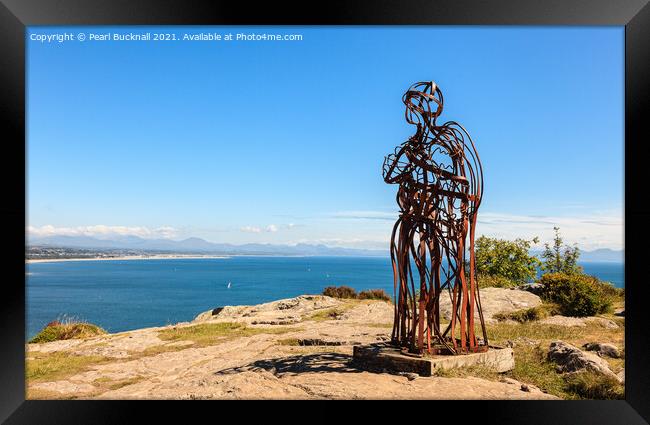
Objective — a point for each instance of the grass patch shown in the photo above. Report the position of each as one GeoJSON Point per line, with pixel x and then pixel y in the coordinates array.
{"type": "Point", "coordinates": [159, 349]}
{"type": "Point", "coordinates": [335, 313]}
{"type": "Point", "coordinates": [55, 331]}
{"type": "Point", "coordinates": [616, 365]}
{"type": "Point", "coordinates": [379, 325]}
{"type": "Point", "coordinates": [528, 314]}
{"type": "Point", "coordinates": [205, 334]}
{"type": "Point", "coordinates": [499, 333]}
{"type": "Point", "coordinates": [57, 365]}
{"type": "Point", "coordinates": [591, 385]}
{"type": "Point", "coordinates": [532, 367]}
{"type": "Point", "coordinates": [106, 384]}
{"type": "Point", "coordinates": [327, 314]}
{"type": "Point", "coordinates": [478, 371]}
{"type": "Point", "coordinates": [292, 342]}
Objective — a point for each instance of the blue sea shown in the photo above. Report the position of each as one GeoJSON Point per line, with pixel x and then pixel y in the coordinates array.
{"type": "Point", "coordinates": [121, 295]}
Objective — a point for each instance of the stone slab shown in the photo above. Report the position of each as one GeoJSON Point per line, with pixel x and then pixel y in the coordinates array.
{"type": "Point", "coordinates": [380, 357]}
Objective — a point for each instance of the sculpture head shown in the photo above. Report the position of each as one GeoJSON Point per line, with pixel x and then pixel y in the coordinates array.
{"type": "Point", "coordinates": [423, 102]}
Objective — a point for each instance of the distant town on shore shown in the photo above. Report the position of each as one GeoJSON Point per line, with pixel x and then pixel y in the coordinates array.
{"type": "Point", "coordinates": [85, 247]}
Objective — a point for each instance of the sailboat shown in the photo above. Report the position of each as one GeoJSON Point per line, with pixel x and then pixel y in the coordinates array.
{"type": "Point", "coordinates": [228, 285]}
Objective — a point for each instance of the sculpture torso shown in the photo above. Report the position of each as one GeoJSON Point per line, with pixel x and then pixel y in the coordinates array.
{"type": "Point", "coordinates": [428, 172]}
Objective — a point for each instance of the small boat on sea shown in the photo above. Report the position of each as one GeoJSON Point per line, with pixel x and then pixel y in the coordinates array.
{"type": "Point", "coordinates": [228, 285]}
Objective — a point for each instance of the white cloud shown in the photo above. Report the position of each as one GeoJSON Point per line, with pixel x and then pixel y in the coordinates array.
{"type": "Point", "coordinates": [251, 229]}
{"type": "Point", "coordinates": [588, 231]}
{"type": "Point", "coordinates": [366, 215]}
{"type": "Point", "coordinates": [357, 243]}
{"type": "Point", "coordinates": [102, 230]}
{"type": "Point", "coordinates": [272, 228]}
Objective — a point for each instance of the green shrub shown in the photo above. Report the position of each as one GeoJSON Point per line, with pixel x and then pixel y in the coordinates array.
{"type": "Point", "coordinates": [576, 294]}
{"type": "Point", "coordinates": [508, 259]}
{"type": "Point", "coordinates": [497, 281]}
{"type": "Point", "coordinates": [609, 290]}
{"type": "Point", "coordinates": [340, 292]}
{"type": "Point", "coordinates": [55, 331]}
{"type": "Point", "coordinates": [374, 294]}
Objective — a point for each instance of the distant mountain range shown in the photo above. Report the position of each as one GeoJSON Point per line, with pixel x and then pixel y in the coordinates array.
{"type": "Point", "coordinates": [201, 246]}
{"type": "Point", "coordinates": [197, 246]}
{"type": "Point", "coordinates": [602, 255]}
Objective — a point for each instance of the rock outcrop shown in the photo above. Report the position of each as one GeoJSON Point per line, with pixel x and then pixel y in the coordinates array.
{"type": "Point", "coordinates": [572, 359]}
{"type": "Point", "coordinates": [579, 321]}
{"type": "Point", "coordinates": [535, 288]}
{"type": "Point", "coordinates": [281, 312]}
{"type": "Point", "coordinates": [603, 349]}
{"type": "Point", "coordinates": [496, 300]}
{"type": "Point", "coordinates": [308, 357]}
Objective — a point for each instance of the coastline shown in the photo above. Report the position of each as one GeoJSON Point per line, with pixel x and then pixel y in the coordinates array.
{"type": "Point", "coordinates": [129, 257]}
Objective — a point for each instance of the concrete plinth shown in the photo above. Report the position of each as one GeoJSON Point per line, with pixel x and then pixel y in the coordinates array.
{"type": "Point", "coordinates": [380, 357]}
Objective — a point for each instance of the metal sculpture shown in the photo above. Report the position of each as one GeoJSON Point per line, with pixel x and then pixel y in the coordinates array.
{"type": "Point", "coordinates": [440, 182]}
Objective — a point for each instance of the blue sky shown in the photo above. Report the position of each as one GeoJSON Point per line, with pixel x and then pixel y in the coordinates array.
{"type": "Point", "coordinates": [283, 141]}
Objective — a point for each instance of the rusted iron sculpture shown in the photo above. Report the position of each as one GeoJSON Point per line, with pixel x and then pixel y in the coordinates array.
{"type": "Point", "coordinates": [440, 182]}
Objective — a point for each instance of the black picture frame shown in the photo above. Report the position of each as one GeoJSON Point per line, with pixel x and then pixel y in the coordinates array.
{"type": "Point", "coordinates": [16, 15]}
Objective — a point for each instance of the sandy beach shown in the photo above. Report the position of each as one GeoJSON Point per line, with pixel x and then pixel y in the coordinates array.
{"type": "Point", "coordinates": [130, 257]}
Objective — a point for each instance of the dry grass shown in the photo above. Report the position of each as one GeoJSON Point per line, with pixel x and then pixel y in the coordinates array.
{"type": "Point", "coordinates": [477, 371]}
{"type": "Point", "coordinates": [106, 384]}
{"type": "Point", "coordinates": [334, 313]}
{"type": "Point", "coordinates": [58, 365]}
{"type": "Point", "coordinates": [206, 334]}
{"type": "Point", "coordinates": [528, 314]}
{"type": "Point", "coordinates": [159, 349]}
{"type": "Point", "coordinates": [101, 385]}
{"type": "Point", "coordinates": [501, 332]}
{"type": "Point", "coordinates": [532, 367]}
{"type": "Point", "coordinates": [43, 367]}
{"type": "Point", "coordinates": [379, 325]}
{"type": "Point", "coordinates": [327, 314]}
{"type": "Point", "coordinates": [616, 365]}
{"type": "Point", "coordinates": [293, 342]}
{"type": "Point", "coordinates": [41, 394]}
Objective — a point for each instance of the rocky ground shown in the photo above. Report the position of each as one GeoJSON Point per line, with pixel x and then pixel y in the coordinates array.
{"type": "Point", "coordinates": [296, 348]}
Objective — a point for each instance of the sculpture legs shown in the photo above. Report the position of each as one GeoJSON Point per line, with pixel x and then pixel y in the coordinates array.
{"type": "Point", "coordinates": [417, 257]}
